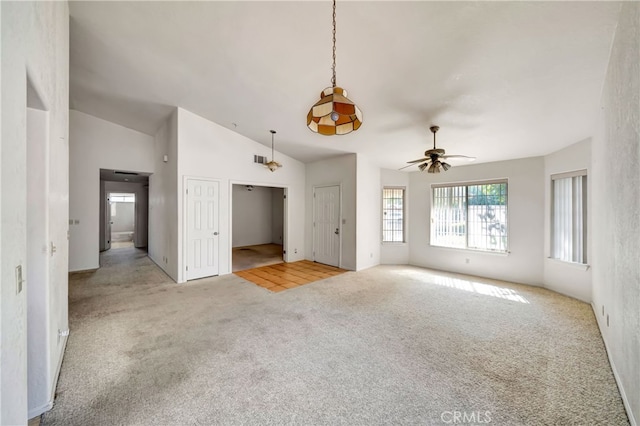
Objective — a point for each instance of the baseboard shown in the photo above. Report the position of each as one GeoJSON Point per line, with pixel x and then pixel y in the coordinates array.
{"type": "Point", "coordinates": [616, 376]}
{"type": "Point", "coordinates": [35, 412]}
{"type": "Point", "coordinates": [82, 271]}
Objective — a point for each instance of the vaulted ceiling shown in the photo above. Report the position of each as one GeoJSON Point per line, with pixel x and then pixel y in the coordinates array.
{"type": "Point", "coordinates": [503, 80]}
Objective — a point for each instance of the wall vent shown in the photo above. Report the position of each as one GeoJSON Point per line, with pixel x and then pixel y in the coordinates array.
{"type": "Point", "coordinates": [259, 159]}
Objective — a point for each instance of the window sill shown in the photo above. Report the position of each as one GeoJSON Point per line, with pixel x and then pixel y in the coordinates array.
{"type": "Point", "coordinates": [582, 266]}
{"type": "Point", "coordinates": [467, 250]}
{"type": "Point", "coordinates": [394, 243]}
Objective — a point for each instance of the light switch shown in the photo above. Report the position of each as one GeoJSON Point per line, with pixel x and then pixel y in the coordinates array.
{"type": "Point", "coordinates": [76, 222]}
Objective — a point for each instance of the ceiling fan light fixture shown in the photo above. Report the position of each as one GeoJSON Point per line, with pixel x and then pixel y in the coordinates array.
{"type": "Point", "coordinates": [446, 166]}
{"type": "Point", "coordinates": [334, 113]}
{"type": "Point", "coordinates": [272, 165]}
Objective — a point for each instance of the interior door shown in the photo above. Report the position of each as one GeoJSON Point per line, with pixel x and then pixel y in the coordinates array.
{"type": "Point", "coordinates": [202, 228]}
{"type": "Point", "coordinates": [326, 225]}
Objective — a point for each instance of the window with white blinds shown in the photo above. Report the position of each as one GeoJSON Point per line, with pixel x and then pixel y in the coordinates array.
{"type": "Point", "coordinates": [470, 216]}
{"type": "Point", "coordinates": [569, 217]}
{"type": "Point", "coordinates": [393, 215]}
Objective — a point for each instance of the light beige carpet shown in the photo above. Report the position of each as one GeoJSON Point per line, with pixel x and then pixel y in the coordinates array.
{"type": "Point", "coordinates": [389, 345]}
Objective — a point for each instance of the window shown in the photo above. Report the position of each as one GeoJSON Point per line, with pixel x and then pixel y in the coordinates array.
{"type": "Point", "coordinates": [569, 216]}
{"type": "Point", "coordinates": [470, 216]}
{"type": "Point", "coordinates": [393, 215]}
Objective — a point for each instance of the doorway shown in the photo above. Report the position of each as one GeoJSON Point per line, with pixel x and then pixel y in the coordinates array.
{"type": "Point", "coordinates": [326, 225]}
{"type": "Point", "coordinates": [121, 224]}
{"type": "Point", "coordinates": [124, 212]}
{"type": "Point", "coordinates": [258, 233]}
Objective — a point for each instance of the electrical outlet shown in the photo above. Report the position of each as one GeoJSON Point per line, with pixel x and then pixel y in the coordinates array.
{"type": "Point", "coordinates": [19, 280]}
{"type": "Point", "coordinates": [467, 260]}
{"type": "Point", "coordinates": [295, 251]}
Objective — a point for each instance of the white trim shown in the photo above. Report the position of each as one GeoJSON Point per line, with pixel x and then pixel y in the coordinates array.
{"type": "Point", "coordinates": [616, 376]}
{"type": "Point", "coordinates": [470, 183]}
{"type": "Point", "coordinates": [285, 213]}
{"type": "Point", "coordinates": [583, 266]}
{"type": "Point", "coordinates": [565, 175]}
{"type": "Point", "coordinates": [37, 411]}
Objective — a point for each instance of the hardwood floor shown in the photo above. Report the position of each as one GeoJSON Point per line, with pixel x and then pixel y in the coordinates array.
{"type": "Point", "coordinates": [284, 276]}
{"type": "Point", "coordinates": [250, 257]}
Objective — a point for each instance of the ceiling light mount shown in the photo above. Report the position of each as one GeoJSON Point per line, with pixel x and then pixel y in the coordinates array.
{"type": "Point", "coordinates": [334, 113]}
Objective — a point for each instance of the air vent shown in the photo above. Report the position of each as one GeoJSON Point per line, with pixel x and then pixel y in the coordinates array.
{"type": "Point", "coordinates": [117, 172]}
{"type": "Point", "coordinates": [259, 159]}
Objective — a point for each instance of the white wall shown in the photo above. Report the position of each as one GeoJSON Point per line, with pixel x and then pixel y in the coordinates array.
{"type": "Point", "coordinates": [163, 198]}
{"type": "Point", "coordinates": [208, 150]}
{"type": "Point", "coordinates": [524, 263]}
{"type": "Point", "coordinates": [571, 279]}
{"type": "Point", "coordinates": [97, 144]}
{"type": "Point", "coordinates": [37, 267]}
{"type": "Point", "coordinates": [368, 213]}
{"type": "Point", "coordinates": [124, 219]}
{"type": "Point", "coordinates": [615, 189]}
{"type": "Point", "coordinates": [335, 171]}
{"type": "Point", "coordinates": [35, 40]}
{"type": "Point", "coordinates": [252, 216]}
{"type": "Point", "coordinates": [277, 215]}
{"type": "Point", "coordinates": [396, 253]}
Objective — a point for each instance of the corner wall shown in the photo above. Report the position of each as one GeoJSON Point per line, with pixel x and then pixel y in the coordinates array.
{"type": "Point", "coordinates": [335, 171]}
{"type": "Point", "coordinates": [163, 198]}
{"type": "Point", "coordinates": [210, 151]}
{"type": "Point", "coordinates": [34, 41]}
{"type": "Point", "coordinates": [97, 144]}
{"type": "Point", "coordinates": [616, 209]}
{"type": "Point", "coordinates": [368, 213]}
{"type": "Point", "coordinates": [523, 263]}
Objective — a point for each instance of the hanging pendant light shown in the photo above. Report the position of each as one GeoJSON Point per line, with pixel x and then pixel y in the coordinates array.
{"type": "Point", "coordinates": [334, 113]}
{"type": "Point", "coordinates": [272, 165]}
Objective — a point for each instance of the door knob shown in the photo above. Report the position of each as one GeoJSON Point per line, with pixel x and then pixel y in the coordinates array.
{"type": "Point", "coordinates": [337, 232]}
{"type": "Point", "coordinates": [215, 233]}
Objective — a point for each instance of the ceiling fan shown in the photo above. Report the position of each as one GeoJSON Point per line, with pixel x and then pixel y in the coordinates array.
{"type": "Point", "coordinates": [433, 157]}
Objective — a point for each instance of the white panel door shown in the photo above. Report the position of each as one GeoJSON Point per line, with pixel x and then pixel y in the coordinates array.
{"type": "Point", "coordinates": [326, 225]}
{"type": "Point", "coordinates": [202, 228]}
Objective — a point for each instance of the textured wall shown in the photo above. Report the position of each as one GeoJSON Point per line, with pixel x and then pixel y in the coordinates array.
{"type": "Point", "coordinates": [35, 42]}
{"type": "Point", "coordinates": [616, 208]}
{"type": "Point", "coordinates": [97, 144]}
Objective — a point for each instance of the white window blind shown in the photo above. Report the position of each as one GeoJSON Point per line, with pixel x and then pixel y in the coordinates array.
{"type": "Point", "coordinates": [568, 238]}
{"type": "Point", "coordinates": [393, 215]}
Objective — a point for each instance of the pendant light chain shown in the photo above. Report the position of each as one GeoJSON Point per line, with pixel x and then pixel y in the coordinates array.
{"type": "Point", "coordinates": [333, 79]}
{"type": "Point", "coordinates": [273, 132]}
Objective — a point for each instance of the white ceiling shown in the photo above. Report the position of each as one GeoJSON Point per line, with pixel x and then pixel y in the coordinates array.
{"type": "Point", "coordinates": [503, 80]}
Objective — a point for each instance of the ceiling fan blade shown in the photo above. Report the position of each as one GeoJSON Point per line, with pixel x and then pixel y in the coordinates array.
{"type": "Point", "coordinates": [417, 161]}
{"type": "Point", "coordinates": [458, 157]}
{"type": "Point", "coordinates": [414, 164]}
